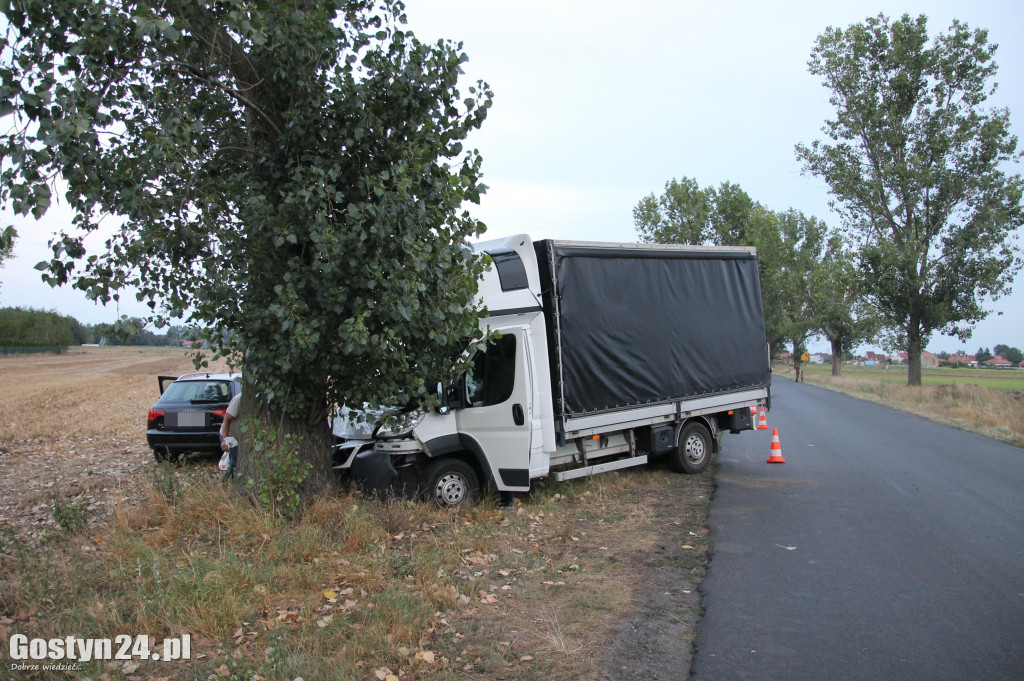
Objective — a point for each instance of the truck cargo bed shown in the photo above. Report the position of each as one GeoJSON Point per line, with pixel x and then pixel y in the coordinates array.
{"type": "Point", "coordinates": [660, 328]}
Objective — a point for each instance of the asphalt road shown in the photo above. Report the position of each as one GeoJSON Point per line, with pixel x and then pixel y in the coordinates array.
{"type": "Point", "coordinates": [886, 547]}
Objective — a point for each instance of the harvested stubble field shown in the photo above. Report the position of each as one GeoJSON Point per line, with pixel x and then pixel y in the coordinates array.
{"type": "Point", "coordinates": [72, 427]}
{"type": "Point", "coordinates": [587, 579]}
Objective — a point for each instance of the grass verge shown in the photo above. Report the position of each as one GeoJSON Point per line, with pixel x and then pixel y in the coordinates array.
{"type": "Point", "coordinates": [354, 588]}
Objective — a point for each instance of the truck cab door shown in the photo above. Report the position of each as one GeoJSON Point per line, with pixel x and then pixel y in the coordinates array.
{"type": "Point", "coordinates": [497, 419]}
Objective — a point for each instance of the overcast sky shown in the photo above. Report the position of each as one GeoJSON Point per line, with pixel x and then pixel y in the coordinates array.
{"type": "Point", "coordinates": [595, 109]}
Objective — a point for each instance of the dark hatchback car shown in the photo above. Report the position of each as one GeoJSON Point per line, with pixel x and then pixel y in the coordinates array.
{"type": "Point", "coordinates": [189, 413]}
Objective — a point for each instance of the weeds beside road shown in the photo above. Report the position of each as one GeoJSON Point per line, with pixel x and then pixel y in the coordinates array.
{"type": "Point", "coordinates": [594, 578]}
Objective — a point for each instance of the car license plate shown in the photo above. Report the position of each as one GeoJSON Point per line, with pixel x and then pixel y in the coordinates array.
{"type": "Point", "coordinates": [189, 420]}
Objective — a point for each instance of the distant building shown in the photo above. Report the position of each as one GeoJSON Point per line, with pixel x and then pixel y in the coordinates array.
{"type": "Point", "coordinates": [998, 362]}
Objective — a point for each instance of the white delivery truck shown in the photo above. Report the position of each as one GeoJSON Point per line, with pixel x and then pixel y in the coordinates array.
{"type": "Point", "coordinates": [605, 355]}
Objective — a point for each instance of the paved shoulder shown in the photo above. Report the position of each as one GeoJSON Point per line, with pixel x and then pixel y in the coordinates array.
{"type": "Point", "coordinates": [887, 547]}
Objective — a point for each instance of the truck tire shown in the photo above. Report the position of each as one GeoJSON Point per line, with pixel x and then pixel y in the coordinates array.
{"type": "Point", "coordinates": [693, 453]}
{"type": "Point", "coordinates": [161, 454]}
{"type": "Point", "coordinates": [450, 482]}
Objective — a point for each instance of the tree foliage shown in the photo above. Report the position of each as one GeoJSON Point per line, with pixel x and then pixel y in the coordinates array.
{"type": "Point", "coordinates": [27, 328]}
{"type": "Point", "coordinates": [838, 304]}
{"type": "Point", "coordinates": [1009, 353]}
{"type": "Point", "coordinates": [290, 176]}
{"type": "Point", "coordinates": [917, 166]}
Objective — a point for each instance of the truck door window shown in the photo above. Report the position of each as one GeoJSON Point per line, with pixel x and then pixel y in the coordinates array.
{"type": "Point", "coordinates": [493, 375]}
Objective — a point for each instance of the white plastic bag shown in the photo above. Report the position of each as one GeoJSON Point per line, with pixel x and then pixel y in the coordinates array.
{"type": "Point", "coordinates": [225, 461]}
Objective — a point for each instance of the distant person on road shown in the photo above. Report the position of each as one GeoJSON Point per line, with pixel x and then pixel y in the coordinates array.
{"type": "Point", "coordinates": [230, 431]}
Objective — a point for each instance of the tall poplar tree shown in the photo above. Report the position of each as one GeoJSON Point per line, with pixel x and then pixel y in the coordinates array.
{"type": "Point", "coordinates": [289, 175]}
{"type": "Point", "coordinates": [919, 168]}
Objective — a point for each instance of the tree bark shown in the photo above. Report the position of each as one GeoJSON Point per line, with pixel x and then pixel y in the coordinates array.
{"type": "Point", "coordinates": [913, 353]}
{"type": "Point", "coordinates": [314, 449]}
{"type": "Point", "coordinates": [837, 357]}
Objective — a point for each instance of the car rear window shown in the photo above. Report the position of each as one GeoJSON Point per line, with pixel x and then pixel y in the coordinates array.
{"type": "Point", "coordinates": [197, 392]}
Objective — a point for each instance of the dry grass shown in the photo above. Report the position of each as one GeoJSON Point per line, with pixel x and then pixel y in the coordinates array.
{"type": "Point", "coordinates": [349, 589]}
{"type": "Point", "coordinates": [973, 408]}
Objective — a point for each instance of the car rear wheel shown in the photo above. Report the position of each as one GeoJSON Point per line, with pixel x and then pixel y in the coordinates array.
{"type": "Point", "coordinates": [162, 454]}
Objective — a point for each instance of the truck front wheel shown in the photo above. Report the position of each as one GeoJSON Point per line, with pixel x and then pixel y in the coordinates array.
{"type": "Point", "coordinates": [450, 482]}
{"type": "Point", "coordinates": [693, 453]}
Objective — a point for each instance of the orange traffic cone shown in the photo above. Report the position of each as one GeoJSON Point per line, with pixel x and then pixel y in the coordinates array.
{"type": "Point", "coordinates": [776, 456]}
{"type": "Point", "coordinates": [762, 423]}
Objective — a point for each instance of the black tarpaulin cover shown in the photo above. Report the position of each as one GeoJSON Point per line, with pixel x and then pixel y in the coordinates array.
{"type": "Point", "coordinates": [648, 325]}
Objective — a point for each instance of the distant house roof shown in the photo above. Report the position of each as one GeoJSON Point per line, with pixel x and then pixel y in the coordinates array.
{"type": "Point", "coordinates": [928, 354]}
{"type": "Point", "coordinates": [998, 361]}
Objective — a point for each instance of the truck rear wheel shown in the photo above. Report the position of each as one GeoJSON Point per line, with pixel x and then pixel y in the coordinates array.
{"type": "Point", "coordinates": [693, 453]}
{"type": "Point", "coordinates": [450, 482]}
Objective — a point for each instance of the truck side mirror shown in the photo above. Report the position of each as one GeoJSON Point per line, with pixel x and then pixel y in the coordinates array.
{"type": "Point", "coordinates": [442, 398]}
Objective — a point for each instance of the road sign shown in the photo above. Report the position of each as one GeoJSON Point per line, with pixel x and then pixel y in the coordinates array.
{"type": "Point", "coordinates": [805, 357]}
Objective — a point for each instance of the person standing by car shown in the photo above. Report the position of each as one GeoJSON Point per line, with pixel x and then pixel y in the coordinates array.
{"type": "Point", "coordinates": [229, 434]}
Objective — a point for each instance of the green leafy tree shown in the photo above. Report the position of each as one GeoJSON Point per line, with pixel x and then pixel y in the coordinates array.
{"type": "Point", "coordinates": [27, 328]}
{"type": "Point", "coordinates": [983, 355]}
{"type": "Point", "coordinates": [682, 215]}
{"type": "Point", "coordinates": [7, 236]}
{"type": "Point", "coordinates": [1009, 353]}
{"type": "Point", "coordinates": [289, 176]}
{"type": "Point", "coordinates": [838, 304]}
{"type": "Point", "coordinates": [797, 252]}
{"type": "Point", "coordinates": [918, 167]}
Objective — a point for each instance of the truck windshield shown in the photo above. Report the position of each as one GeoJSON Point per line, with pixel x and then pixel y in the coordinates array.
{"type": "Point", "coordinates": [493, 376]}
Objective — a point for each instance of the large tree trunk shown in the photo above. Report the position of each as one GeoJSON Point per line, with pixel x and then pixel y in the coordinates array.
{"type": "Point", "coordinates": [297, 444]}
{"type": "Point", "coordinates": [837, 357]}
{"type": "Point", "coordinates": [913, 353]}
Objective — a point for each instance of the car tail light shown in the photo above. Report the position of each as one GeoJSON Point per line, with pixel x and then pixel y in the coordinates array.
{"type": "Point", "coordinates": [220, 411]}
{"type": "Point", "coordinates": [155, 413]}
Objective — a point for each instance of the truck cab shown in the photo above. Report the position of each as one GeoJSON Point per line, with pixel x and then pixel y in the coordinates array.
{"type": "Point", "coordinates": [495, 425]}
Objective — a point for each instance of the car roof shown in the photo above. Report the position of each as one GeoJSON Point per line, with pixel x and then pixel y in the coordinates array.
{"type": "Point", "coordinates": [207, 376]}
